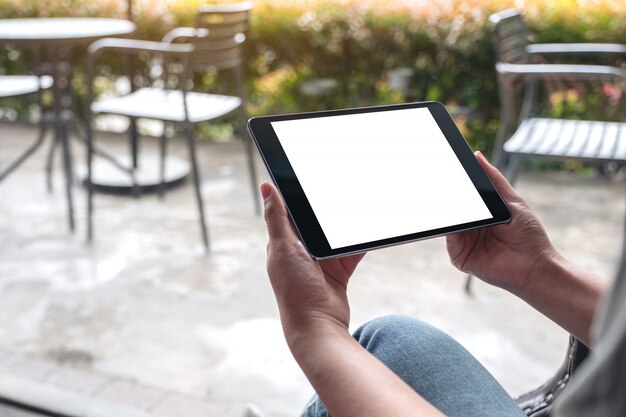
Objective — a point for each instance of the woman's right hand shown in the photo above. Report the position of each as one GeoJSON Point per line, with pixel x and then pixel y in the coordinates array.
{"type": "Point", "coordinates": [311, 295]}
{"type": "Point", "coordinates": [504, 255]}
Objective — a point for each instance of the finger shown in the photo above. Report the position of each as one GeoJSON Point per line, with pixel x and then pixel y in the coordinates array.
{"type": "Point", "coordinates": [503, 186]}
{"type": "Point", "coordinates": [276, 218]}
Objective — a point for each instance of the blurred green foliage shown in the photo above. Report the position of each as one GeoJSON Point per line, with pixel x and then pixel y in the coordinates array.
{"type": "Point", "coordinates": [446, 43]}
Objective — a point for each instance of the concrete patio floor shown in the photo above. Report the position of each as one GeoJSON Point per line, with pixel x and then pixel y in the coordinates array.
{"type": "Point", "coordinates": [145, 304]}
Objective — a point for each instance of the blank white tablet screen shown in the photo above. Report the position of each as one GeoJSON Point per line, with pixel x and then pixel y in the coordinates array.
{"type": "Point", "coordinates": [379, 175]}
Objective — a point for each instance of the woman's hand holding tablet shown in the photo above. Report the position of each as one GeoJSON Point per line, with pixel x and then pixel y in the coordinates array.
{"type": "Point", "coordinates": [359, 179]}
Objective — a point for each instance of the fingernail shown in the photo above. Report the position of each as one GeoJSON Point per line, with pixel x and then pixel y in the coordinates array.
{"type": "Point", "coordinates": [266, 190]}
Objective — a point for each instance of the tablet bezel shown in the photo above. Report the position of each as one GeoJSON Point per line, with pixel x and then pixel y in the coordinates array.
{"type": "Point", "coordinates": [301, 212]}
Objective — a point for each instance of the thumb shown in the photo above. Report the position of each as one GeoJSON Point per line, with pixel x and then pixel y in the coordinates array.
{"type": "Point", "coordinates": [503, 186]}
{"type": "Point", "coordinates": [276, 218]}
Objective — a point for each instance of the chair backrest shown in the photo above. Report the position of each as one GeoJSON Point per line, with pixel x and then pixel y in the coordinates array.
{"type": "Point", "coordinates": [510, 37]}
{"type": "Point", "coordinates": [221, 46]}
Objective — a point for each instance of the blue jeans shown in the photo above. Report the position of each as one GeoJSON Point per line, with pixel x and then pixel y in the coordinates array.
{"type": "Point", "coordinates": [435, 366]}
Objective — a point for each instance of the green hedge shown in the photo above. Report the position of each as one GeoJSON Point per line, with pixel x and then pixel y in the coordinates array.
{"type": "Point", "coordinates": [446, 43]}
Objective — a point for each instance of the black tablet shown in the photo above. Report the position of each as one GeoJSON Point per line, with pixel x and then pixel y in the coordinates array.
{"type": "Point", "coordinates": [359, 179]}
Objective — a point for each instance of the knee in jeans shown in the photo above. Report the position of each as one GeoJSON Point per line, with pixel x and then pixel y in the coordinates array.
{"type": "Point", "coordinates": [399, 331]}
{"type": "Point", "coordinates": [387, 327]}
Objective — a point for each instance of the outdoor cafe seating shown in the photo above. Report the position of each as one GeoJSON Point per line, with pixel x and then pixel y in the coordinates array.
{"type": "Point", "coordinates": [164, 94]}
{"type": "Point", "coordinates": [522, 135]}
{"type": "Point", "coordinates": [163, 86]}
{"type": "Point", "coordinates": [53, 41]}
{"type": "Point", "coordinates": [520, 66]}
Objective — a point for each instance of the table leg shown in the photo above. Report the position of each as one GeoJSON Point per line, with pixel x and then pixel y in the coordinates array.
{"type": "Point", "coordinates": [61, 135]}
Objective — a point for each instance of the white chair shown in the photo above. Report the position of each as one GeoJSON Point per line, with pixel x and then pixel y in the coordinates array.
{"type": "Point", "coordinates": [215, 43]}
{"type": "Point", "coordinates": [521, 134]}
{"type": "Point", "coordinates": [19, 85]}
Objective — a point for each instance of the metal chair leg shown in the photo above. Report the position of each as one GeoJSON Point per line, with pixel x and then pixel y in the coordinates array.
{"type": "Point", "coordinates": [67, 167]}
{"type": "Point", "coordinates": [468, 283]}
{"type": "Point", "coordinates": [196, 183]}
{"type": "Point", "coordinates": [623, 255]}
{"type": "Point", "coordinates": [253, 177]}
{"type": "Point", "coordinates": [163, 151]}
{"type": "Point", "coordinates": [50, 164]}
{"type": "Point", "coordinates": [88, 183]}
{"type": "Point", "coordinates": [512, 170]}
{"type": "Point", "coordinates": [251, 165]}
{"type": "Point", "coordinates": [20, 159]}
{"type": "Point", "coordinates": [134, 164]}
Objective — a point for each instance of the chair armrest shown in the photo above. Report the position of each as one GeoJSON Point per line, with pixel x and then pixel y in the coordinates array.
{"type": "Point", "coordinates": [539, 401]}
{"type": "Point", "coordinates": [558, 71]}
{"type": "Point", "coordinates": [184, 33]}
{"type": "Point", "coordinates": [136, 46]}
{"type": "Point", "coordinates": [130, 46]}
{"type": "Point", "coordinates": [576, 48]}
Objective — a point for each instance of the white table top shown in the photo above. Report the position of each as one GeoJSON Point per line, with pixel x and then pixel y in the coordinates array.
{"type": "Point", "coordinates": [62, 29]}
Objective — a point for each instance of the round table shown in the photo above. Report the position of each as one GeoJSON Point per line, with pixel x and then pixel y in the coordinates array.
{"type": "Point", "coordinates": [63, 30]}
{"type": "Point", "coordinates": [52, 38]}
